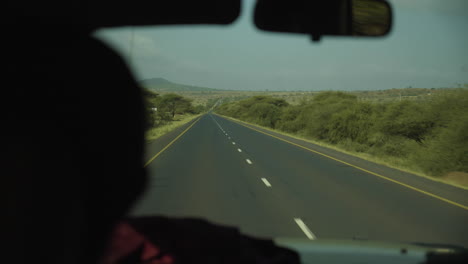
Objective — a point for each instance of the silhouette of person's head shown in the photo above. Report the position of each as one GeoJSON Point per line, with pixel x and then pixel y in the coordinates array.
{"type": "Point", "coordinates": [72, 144]}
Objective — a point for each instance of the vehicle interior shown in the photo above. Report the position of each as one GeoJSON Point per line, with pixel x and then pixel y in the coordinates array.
{"type": "Point", "coordinates": [67, 182]}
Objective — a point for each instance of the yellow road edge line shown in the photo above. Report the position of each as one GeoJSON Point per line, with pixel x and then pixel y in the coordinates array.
{"type": "Point", "coordinates": [244, 124]}
{"type": "Point", "coordinates": [172, 142]}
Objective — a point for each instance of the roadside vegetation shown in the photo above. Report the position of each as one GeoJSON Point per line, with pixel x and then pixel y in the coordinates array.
{"type": "Point", "coordinates": [427, 136]}
{"type": "Point", "coordinates": [155, 132]}
{"type": "Point", "coordinates": [296, 97]}
{"type": "Point", "coordinates": [168, 111]}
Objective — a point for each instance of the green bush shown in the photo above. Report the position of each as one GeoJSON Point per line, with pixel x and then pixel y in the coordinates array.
{"type": "Point", "coordinates": [407, 119]}
{"type": "Point", "coordinates": [353, 123]}
{"type": "Point", "coordinates": [265, 114]}
{"type": "Point", "coordinates": [263, 110]}
{"type": "Point", "coordinates": [448, 149]}
{"type": "Point", "coordinates": [288, 121]}
{"type": "Point", "coordinates": [318, 113]}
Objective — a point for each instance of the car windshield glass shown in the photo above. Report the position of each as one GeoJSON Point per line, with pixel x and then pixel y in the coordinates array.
{"type": "Point", "coordinates": [349, 137]}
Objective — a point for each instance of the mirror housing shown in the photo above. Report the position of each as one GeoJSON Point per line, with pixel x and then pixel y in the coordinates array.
{"type": "Point", "coordinates": [372, 18]}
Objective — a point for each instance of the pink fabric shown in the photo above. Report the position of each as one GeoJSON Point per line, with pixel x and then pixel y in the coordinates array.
{"type": "Point", "coordinates": [126, 240]}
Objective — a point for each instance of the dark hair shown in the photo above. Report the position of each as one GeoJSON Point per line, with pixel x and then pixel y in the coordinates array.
{"type": "Point", "coordinates": [72, 145]}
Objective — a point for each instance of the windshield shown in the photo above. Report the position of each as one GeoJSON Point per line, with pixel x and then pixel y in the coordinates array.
{"type": "Point", "coordinates": [347, 138]}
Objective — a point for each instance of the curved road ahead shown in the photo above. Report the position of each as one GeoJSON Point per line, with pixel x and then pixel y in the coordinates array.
{"type": "Point", "coordinates": [275, 186]}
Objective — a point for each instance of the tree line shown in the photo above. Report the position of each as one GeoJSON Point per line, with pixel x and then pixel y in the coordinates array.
{"type": "Point", "coordinates": [430, 136]}
{"type": "Point", "coordinates": [161, 109]}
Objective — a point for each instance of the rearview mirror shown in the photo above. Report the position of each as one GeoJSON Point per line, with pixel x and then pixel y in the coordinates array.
{"type": "Point", "coordinates": [372, 18]}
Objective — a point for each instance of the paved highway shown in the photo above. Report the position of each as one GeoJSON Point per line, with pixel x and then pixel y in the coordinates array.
{"type": "Point", "coordinates": [271, 185]}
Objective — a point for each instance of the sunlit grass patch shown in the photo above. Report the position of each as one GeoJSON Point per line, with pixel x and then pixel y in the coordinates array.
{"type": "Point", "coordinates": [457, 178]}
{"type": "Point", "coordinates": [179, 120]}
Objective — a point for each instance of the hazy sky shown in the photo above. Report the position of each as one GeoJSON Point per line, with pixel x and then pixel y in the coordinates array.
{"type": "Point", "coordinates": [428, 47]}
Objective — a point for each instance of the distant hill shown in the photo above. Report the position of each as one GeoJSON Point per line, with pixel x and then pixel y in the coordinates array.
{"type": "Point", "coordinates": [161, 84]}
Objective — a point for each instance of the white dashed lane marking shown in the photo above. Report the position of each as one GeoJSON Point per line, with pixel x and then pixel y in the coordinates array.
{"type": "Point", "coordinates": [266, 182]}
{"type": "Point", "coordinates": [304, 228]}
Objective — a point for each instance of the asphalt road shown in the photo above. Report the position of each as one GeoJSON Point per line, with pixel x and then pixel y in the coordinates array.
{"type": "Point", "coordinates": [230, 174]}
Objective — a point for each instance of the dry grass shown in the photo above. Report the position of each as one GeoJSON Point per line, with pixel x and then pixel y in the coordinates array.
{"type": "Point", "coordinates": [457, 178]}
{"type": "Point", "coordinates": [296, 97]}
{"type": "Point", "coordinates": [157, 132]}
